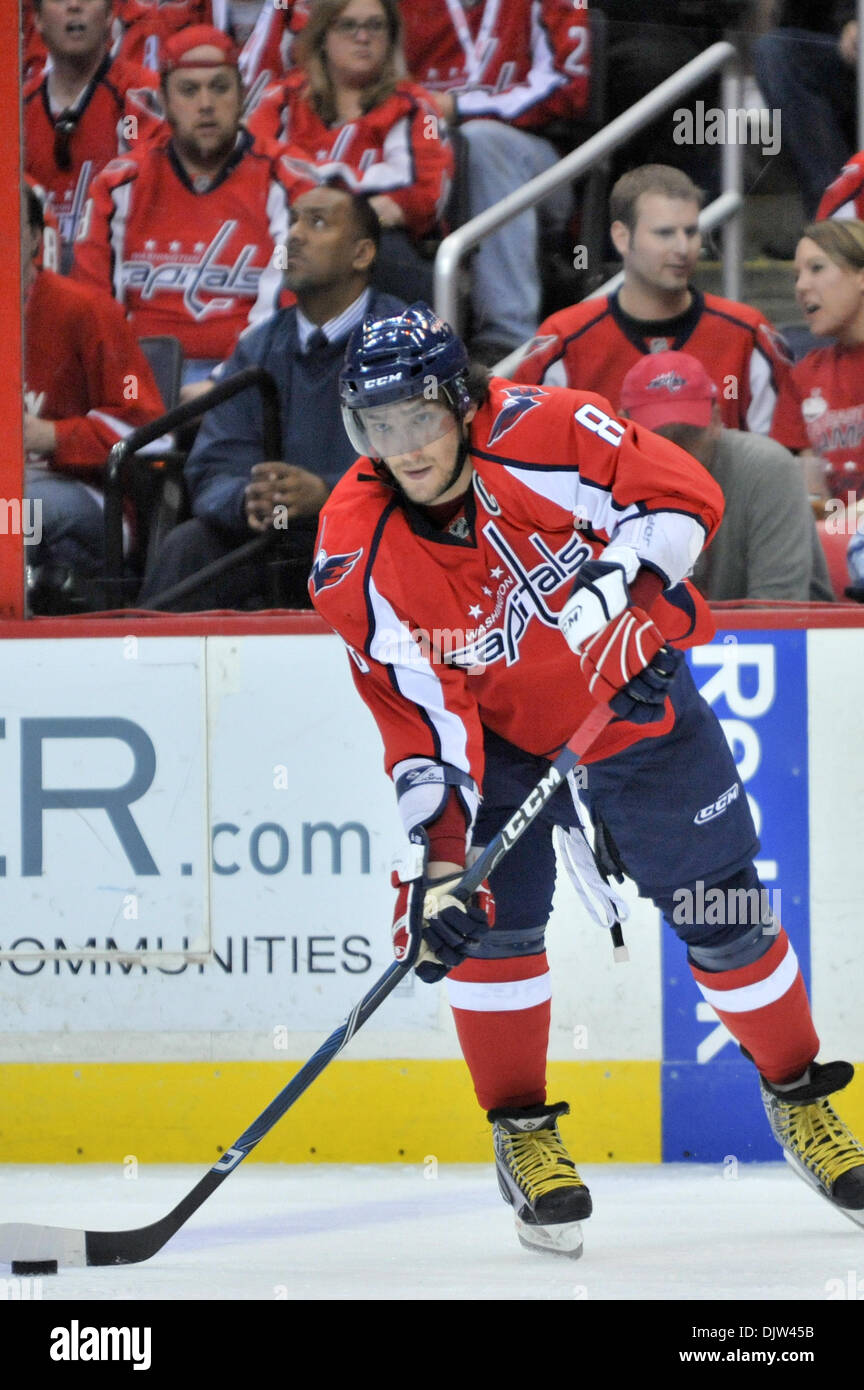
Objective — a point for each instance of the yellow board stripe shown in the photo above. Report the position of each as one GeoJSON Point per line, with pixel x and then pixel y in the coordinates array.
{"type": "Point", "coordinates": [393, 1111]}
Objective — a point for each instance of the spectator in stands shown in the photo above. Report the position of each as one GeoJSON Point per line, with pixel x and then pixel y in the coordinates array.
{"type": "Point", "coordinates": [184, 232]}
{"type": "Point", "coordinates": [824, 394]}
{"type": "Point", "coordinates": [592, 345]}
{"type": "Point", "coordinates": [84, 109]}
{"type": "Point", "coordinates": [844, 197]}
{"type": "Point", "coordinates": [348, 113]}
{"type": "Point", "coordinates": [137, 30]}
{"type": "Point", "coordinates": [144, 26]}
{"type": "Point", "coordinates": [236, 490]}
{"type": "Point", "coordinates": [805, 68]}
{"type": "Point", "coordinates": [501, 72]}
{"type": "Point", "coordinates": [87, 385]}
{"type": "Point", "coordinates": [767, 546]}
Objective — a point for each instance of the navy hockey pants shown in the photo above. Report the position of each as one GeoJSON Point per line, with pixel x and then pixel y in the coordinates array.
{"type": "Point", "coordinates": [663, 817]}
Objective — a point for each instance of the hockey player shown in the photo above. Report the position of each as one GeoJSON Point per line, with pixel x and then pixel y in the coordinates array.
{"type": "Point", "coordinates": [655, 229]}
{"type": "Point", "coordinates": [500, 559]}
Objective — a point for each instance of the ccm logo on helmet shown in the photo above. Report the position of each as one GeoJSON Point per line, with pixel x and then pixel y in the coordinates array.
{"type": "Point", "coordinates": [598, 423]}
{"type": "Point", "coordinates": [717, 807]}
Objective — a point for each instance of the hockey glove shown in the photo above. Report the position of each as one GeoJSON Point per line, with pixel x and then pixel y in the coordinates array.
{"type": "Point", "coordinates": [599, 594]}
{"type": "Point", "coordinates": [435, 929]}
{"type": "Point", "coordinates": [628, 666]}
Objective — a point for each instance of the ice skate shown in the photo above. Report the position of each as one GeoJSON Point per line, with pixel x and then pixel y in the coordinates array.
{"type": "Point", "coordinates": [538, 1178]}
{"type": "Point", "coordinates": [815, 1141]}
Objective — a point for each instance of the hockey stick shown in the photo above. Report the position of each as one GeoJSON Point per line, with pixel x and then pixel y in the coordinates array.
{"type": "Point", "coordinates": [33, 1249]}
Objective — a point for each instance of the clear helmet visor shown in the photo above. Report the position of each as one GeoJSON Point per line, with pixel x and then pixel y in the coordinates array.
{"type": "Point", "coordinates": [403, 427]}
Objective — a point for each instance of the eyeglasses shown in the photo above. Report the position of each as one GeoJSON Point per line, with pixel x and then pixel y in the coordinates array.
{"type": "Point", "coordinates": [64, 128]}
{"type": "Point", "coordinates": [350, 28]}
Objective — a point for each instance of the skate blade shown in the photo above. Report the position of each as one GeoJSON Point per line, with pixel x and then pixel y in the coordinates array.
{"type": "Point", "coordinates": [857, 1217]}
{"type": "Point", "coordinates": [563, 1239]}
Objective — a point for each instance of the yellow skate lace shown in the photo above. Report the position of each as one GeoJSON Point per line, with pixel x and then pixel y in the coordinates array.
{"type": "Point", "coordinates": [539, 1163]}
{"type": "Point", "coordinates": [821, 1140]}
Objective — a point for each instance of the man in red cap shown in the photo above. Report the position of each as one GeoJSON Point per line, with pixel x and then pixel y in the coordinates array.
{"type": "Point", "coordinates": [84, 108]}
{"type": "Point", "coordinates": [766, 546]}
{"type": "Point", "coordinates": [184, 233]}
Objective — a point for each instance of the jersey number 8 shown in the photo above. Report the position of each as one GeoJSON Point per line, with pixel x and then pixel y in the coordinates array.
{"type": "Point", "coordinates": [598, 423]}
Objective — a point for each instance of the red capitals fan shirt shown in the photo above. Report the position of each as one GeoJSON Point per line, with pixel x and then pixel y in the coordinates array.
{"type": "Point", "coordinates": [593, 345]}
{"type": "Point", "coordinates": [84, 370]}
{"type": "Point", "coordinates": [454, 629]}
{"type": "Point", "coordinates": [825, 396]}
{"type": "Point", "coordinates": [845, 196]}
{"type": "Point", "coordinates": [197, 264]}
{"type": "Point", "coordinates": [521, 61]}
{"type": "Point", "coordinates": [398, 148]}
{"type": "Point", "coordinates": [118, 109]}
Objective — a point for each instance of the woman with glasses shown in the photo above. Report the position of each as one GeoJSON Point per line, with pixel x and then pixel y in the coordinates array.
{"type": "Point", "coordinates": [347, 114]}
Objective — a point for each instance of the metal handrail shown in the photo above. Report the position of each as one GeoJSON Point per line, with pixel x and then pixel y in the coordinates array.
{"type": "Point", "coordinates": [122, 454]}
{"type": "Point", "coordinates": [720, 55]}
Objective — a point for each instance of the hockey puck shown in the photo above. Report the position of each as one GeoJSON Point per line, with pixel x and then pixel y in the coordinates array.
{"type": "Point", "coordinates": [34, 1266]}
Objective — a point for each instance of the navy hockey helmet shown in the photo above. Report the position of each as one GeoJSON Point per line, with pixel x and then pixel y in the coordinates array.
{"type": "Point", "coordinates": [412, 357]}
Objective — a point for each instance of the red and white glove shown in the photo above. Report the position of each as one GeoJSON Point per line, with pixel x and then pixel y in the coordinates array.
{"type": "Point", "coordinates": [621, 651]}
{"type": "Point", "coordinates": [433, 929]}
{"type": "Point", "coordinates": [628, 666]}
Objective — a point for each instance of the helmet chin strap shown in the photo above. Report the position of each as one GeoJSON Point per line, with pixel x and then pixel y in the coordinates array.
{"type": "Point", "coordinates": [461, 456]}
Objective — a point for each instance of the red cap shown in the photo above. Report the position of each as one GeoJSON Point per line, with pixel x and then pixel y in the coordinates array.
{"type": "Point", "coordinates": [666, 388]}
{"type": "Point", "coordinates": [174, 52]}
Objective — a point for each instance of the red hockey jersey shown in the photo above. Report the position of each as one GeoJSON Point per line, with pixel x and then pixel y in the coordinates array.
{"type": "Point", "coordinates": [196, 264]}
{"type": "Point", "coordinates": [825, 397]}
{"type": "Point", "coordinates": [84, 369]}
{"type": "Point", "coordinates": [267, 54]}
{"type": "Point", "coordinates": [451, 630]}
{"type": "Point", "coordinates": [398, 148]}
{"type": "Point", "coordinates": [118, 109]}
{"type": "Point", "coordinates": [593, 345]}
{"type": "Point", "coordinates": [845, 196]}
{"type": "Point", "coordinates": [521, 61]}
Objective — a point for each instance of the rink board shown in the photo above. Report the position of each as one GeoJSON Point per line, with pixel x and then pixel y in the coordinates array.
{"type": "Point", "coordinates": [185, 787]}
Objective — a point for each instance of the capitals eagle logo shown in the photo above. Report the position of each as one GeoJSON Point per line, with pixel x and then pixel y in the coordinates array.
{"type": "Point", "coordinates": [518, 400]}
{"type": "Point", "coordinates": [329, 570]}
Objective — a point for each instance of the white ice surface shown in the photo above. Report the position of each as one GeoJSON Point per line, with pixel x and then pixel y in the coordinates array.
{"type": "Point", "coordinates": [327, 1232]}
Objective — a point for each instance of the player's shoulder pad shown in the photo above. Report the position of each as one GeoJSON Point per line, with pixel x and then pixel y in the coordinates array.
{"type": "Point", "coordinates": [348, 531]}
{"type": "Point", "coordinates": [517, 419]}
